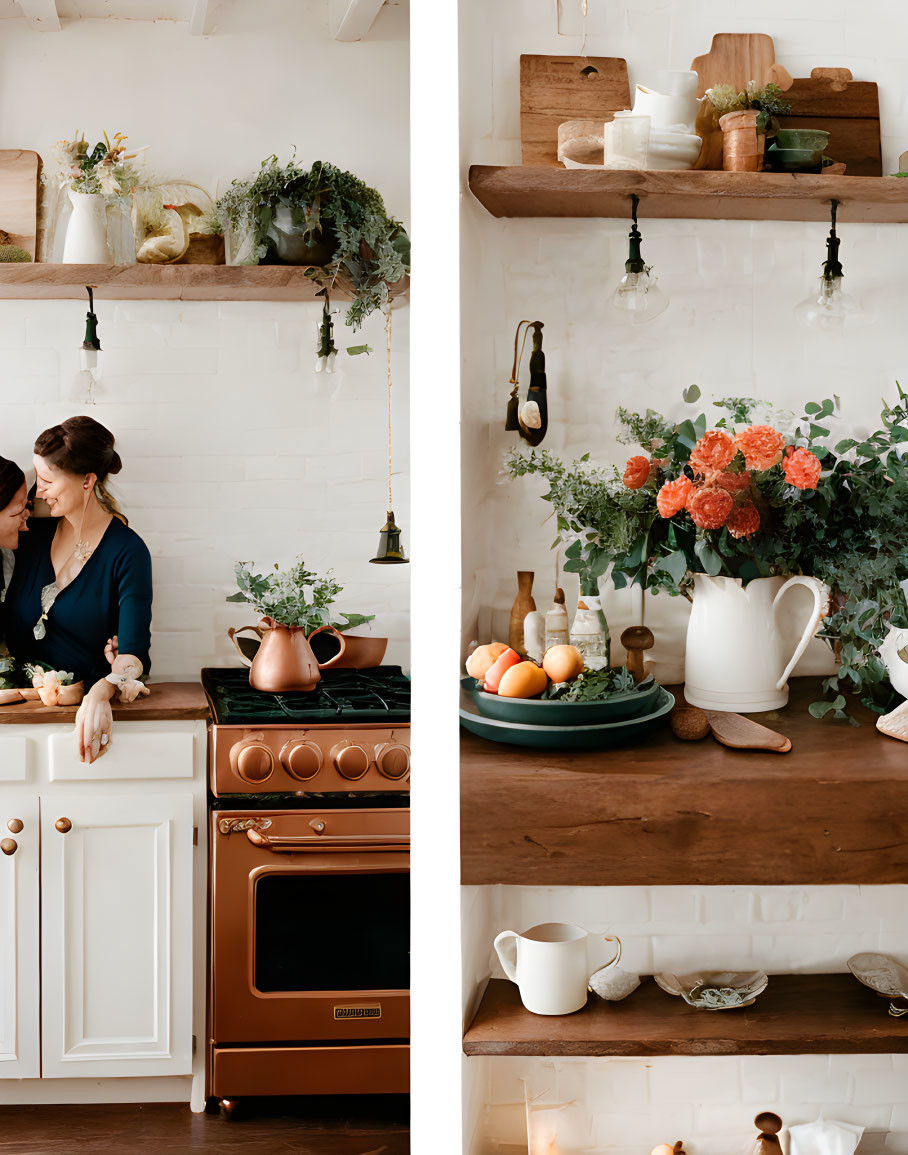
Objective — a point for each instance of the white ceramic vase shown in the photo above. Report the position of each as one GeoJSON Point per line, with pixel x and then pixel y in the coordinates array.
{"type": "Point", "coordinates": [735, 658]}
{"type": "Point", "coordinates": [86, 232]}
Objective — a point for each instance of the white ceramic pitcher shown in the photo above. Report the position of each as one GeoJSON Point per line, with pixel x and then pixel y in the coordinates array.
{"type": "Point", "coordinates": [896, 639]}
{"type": "Point", "coordinates": [735, 658]}
{"type": "Point", "coordinates": [549, 964]}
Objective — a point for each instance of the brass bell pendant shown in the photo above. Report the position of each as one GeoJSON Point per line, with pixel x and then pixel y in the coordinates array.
{"type": "Point", "coordinates": [389, 547]}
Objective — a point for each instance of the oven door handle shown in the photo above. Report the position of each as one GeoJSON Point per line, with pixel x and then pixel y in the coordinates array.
{"type": "Point", "coordinates": [337, 842]}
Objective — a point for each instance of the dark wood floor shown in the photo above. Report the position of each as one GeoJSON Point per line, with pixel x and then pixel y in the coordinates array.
{"type": "Point", "coordinates": [374, 1125]}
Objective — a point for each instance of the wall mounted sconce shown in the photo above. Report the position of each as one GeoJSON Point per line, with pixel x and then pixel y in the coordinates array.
{"type": "Point", "coordinates": [531, 419]}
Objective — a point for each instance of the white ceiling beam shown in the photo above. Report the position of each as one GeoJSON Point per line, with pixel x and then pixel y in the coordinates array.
{"type": "Point", "coordinates": [41, 15]}
{"type": "Point", "coordinates": [200, 18]}
{"type": "Point", "coordinates": [353, 19]}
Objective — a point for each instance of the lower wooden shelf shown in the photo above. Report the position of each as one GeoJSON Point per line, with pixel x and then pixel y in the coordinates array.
{"type": "Point", "coordinates": [667, 812]}
{"type": "Point", "coordinates": [796, 1015]}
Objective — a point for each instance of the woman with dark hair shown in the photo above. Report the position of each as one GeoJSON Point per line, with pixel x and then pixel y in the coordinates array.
{"type": "Point", "coordinates": [82, 577]}
{"type": "Point", "coordinates": [13, 519]}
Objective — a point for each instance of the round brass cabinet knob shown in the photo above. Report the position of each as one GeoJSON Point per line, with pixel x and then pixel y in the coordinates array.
{"type": "Point", "coordinates": [351, 761]}
{"type": "Point", "coordinates": [63, 825]}
{"type": "Point", "coordinates": [393, 760]}
{"type": "Point", "coordinates": [9, 845]}
{"type": "Point", "coordinates": [255, 763]}
{"type": "Point", "coordinates": [301, 759]}
{"type": "Point", "coordinates": [15, 825]}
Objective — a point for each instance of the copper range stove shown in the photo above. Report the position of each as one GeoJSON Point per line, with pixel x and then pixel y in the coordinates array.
{"type": "Point", "coordinates": [309, 878]}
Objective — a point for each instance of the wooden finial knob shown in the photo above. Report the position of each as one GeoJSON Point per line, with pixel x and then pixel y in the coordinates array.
{"type": "Point", "coordinates": [635, 640]}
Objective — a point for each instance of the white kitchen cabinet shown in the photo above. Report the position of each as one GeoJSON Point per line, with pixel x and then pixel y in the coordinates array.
{"type": "Point", "coordinates": [19, 971]}
{"type": "Point", "coordinates": [116, 885]}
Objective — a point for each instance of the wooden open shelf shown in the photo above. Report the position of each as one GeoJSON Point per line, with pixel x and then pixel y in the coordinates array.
{"type": "Point", "coordinates": [545, 191]}
{"type": "Point", "coordinates": [795, 1015]}
{"type": "Point", "coordinates": [667, 812]}
{"type": "Point", "coordinates": [41, 281]}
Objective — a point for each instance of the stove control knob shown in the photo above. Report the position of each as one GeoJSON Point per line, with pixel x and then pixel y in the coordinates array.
{"type": "Point", "coordinates": [301, 759]}
{"type": "Point", "coordinates": [253, 761]}
{"type": "Point", "coordinates": [393, 760]}
{"type": "Point", "coordinates": [351, 761]}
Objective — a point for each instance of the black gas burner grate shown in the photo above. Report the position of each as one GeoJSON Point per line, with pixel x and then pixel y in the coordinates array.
{"type": "Point", "coordinates": [380, 694]}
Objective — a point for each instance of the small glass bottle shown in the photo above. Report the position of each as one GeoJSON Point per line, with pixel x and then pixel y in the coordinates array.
{"type": "Point", "coordinates": [557, 627]}
{"type": "Point", "coordinates": [589, 632]}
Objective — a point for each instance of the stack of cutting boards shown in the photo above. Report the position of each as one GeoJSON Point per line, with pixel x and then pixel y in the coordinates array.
{"type": "Point", "coordinates": [554, 89]}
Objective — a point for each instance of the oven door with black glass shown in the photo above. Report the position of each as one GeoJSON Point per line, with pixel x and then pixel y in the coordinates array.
{"type": "Point", "coordinates": [310, 925]}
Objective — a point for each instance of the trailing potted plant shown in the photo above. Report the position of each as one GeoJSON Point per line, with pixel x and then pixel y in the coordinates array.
{"type": "Point", "coordinates": [742, 502]}
{"type": "Point", "coordinates": [322, 217]}
{"type": "Point", "coordinates": [296, 608]}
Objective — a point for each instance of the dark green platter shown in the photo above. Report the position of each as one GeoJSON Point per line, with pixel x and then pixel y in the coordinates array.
{"type": "Point", "coordinates": [599, 737]}
{"type": "Point", "coordinates": [533, 712]}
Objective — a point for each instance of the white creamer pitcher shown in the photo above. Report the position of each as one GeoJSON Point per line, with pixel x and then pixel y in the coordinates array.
{"type": "Point", "coordinates": [736, 651]}
{"type": "Point", "coordinates": [673, 110]}
{"type": "Point", "coordinates": [550, 965]}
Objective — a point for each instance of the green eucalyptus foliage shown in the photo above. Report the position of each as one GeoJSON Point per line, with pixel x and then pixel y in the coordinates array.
{"type": "Point", "coordinates": [851, 531]}
{"type": "Point", "coordinates": [293, 597]}
{"type": "Point", "coordinates": [327, 205]}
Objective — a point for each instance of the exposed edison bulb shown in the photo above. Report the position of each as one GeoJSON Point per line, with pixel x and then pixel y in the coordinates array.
{"type": "Point", "coordinates": [638, 297]}
{"type": "Point", "coordinates": [827, 307]}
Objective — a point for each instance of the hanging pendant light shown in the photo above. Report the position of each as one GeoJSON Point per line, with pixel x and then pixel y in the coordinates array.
{"type": "Point", "coordinates": [827, 306]}
{"type": "Point", "coordinates": [638, 297]}
{"type": "Point", "coordinates": [390, 551]}
{"type": "Point", "coordinates": [325, 350]}
{"type": "Point", "coordinates": [90, 349]}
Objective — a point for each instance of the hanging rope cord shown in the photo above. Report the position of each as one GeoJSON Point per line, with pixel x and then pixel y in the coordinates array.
{"type": "Point", "coordinates": [390, 459]}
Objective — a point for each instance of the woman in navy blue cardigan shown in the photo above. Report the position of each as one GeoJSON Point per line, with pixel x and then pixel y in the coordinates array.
{"type": "Point", "coordinates": [82, 576]}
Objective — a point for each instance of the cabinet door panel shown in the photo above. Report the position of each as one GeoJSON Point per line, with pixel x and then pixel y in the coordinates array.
{"type": "Point", "coordinates": [19, 975]}
{"type": "Point", "coordinates": [117, 935]}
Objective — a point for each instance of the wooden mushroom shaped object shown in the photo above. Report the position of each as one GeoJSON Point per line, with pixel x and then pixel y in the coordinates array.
{"type": "Point", "coordinates": [769, 1125]}
{"type": "Point", "coordinates": [635, 640]}
{"type": "Point", "coordinates": [667, 1149]}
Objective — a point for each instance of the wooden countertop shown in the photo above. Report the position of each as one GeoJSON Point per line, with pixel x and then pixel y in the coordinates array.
{"type": "Point", "coordinates": [795, 1015]}
{"type": "Point", "coordinates": [167, 702]}
{"type": "Point", "coordinates": [833, 810]}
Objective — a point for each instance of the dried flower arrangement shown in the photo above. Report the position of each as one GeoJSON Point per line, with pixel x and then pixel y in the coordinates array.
{"type": "Point", "coordinates": [105, 168]}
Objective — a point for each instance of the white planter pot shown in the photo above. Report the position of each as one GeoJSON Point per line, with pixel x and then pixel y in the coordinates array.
{"type": "Point", "coordinates": [86, 232]}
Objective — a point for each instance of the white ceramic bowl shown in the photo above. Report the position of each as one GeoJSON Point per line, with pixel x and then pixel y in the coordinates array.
{"type": "Point", "coordinates": [672, 150]}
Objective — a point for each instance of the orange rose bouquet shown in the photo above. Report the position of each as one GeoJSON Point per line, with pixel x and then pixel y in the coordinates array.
{"type": "Point", "coordinates": [748, 497]}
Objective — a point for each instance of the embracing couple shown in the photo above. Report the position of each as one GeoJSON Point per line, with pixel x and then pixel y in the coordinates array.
{"type": "Point", "coordinates": [75, 591]}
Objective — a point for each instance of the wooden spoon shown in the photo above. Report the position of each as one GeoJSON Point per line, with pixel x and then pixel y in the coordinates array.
{"type": "Point", "coordinates": [742, 734]}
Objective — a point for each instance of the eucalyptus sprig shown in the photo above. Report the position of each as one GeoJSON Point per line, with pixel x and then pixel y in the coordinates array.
{"type": "Point", "coordinates": [294, 597]}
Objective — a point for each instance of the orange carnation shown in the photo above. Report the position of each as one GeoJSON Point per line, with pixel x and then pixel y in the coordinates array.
{"type": "Point", "coordinates": [744, 520]}
{"type": "Point", "coordinates": [712, 452]}
{"type": "Point", "coordinates": [636, 472]}
{"type": "Point", "coordinates": [672, 497]}
{"type": "Point", "coordinates": [801, 468]}
{"type": "Point", "coordinates": [761, 445]}
{"type": "Point", "coordinates": [710, 507]}
{"type": "Point", "coordinates": [732, 482]}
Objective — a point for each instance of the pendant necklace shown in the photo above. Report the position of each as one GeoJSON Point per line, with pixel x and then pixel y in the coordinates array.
{"type": "Point", "coordinates": [50, 592]}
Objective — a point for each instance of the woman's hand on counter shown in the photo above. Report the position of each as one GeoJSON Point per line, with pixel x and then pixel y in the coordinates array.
{"type": "Point", "coordinates": [94, 722]}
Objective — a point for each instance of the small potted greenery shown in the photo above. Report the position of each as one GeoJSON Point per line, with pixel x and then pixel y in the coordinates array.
{"type": "Point", "coordinates": [299, 601]}
{"type": "Point", "coordinates": [322, 217]}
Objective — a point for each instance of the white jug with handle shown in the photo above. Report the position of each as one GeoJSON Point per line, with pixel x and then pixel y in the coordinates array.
{"type": "Point", "coordinates": [550, 966]}
{"type": "Point", "coordinates": [736, 651]}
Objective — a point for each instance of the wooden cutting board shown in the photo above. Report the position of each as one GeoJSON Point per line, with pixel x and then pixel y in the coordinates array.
{"type": "Point", "coordinates": [19, 171]}
{"type": "Point", "coordinates": [736, 58]}
{"type": "Point", "coordinates": [558, 88]}
{"type": "Point", "coordinates": [849, 110]}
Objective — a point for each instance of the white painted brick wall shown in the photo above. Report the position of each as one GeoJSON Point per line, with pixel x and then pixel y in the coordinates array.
{"type": "Point", "coordinates": [631, 1104]}
{"type": "Point", "coordinates": [233, 447]}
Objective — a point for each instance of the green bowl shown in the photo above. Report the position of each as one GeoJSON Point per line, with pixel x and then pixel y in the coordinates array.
{"type": "Point", "coordinates": [811, 139]}
{"type": "Point", "coordinates": [569, 738]}
{"type": "Point", "coordinates": [794, 159]}
{"type": "Point", "coordinates": [533, 712]}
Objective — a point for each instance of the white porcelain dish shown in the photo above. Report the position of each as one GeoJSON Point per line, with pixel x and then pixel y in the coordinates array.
{"type": "Point", "coordinates": [715, 990]}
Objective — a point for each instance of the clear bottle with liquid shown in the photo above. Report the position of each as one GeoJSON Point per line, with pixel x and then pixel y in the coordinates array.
{"type": "Point", "coordinates": [589, 632]}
